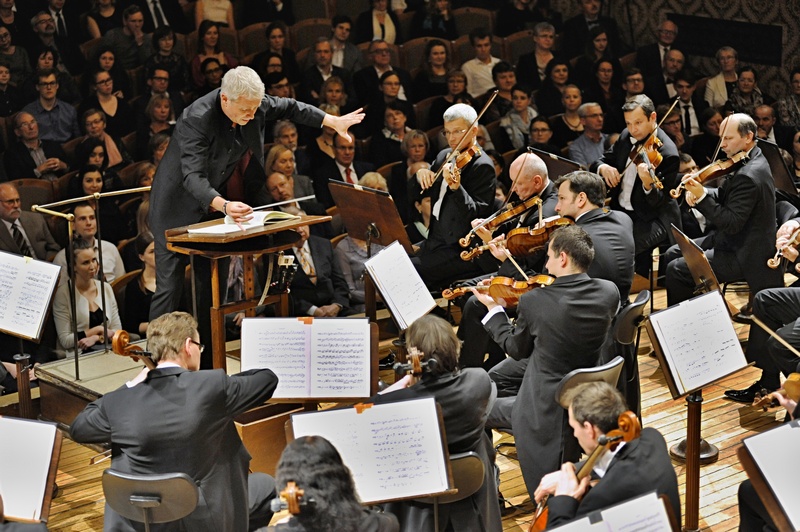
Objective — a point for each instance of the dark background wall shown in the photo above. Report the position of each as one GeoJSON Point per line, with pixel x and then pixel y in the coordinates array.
{"type": "Point", "coordinates": [775, 35]}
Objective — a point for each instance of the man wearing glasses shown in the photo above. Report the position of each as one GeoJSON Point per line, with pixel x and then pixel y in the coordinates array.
{"type": "Point", "coordinates": [57, 119]}
{"type": "Point", "coordinates": [366, 80]}
{"type": "Point", "coordinates": [45, 37]}
{"type": "Point", "coordinates": [650, 58]}
{"type": "Point", "coordinates": [175, 418]}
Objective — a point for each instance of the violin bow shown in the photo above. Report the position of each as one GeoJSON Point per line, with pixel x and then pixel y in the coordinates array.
{"type": "Point", "coordinates": [456, 151]}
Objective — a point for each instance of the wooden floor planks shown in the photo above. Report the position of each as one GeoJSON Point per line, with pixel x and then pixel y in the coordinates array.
{"type": "Point", "coordinates": [79, 505]}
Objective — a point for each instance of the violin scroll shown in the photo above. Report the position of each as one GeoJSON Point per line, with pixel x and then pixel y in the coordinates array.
{"type": "Point", "coordinates": [121, 345]}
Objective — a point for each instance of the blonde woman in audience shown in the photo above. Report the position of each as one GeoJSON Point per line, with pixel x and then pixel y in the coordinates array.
{"type": "Point", "coordinates": [281, 159]}
{"type": "Point", "coordinates": [157, 147]}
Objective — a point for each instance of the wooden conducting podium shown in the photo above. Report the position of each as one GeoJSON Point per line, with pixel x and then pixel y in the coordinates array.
{"type": "Point", "coordinates": [252, 241]}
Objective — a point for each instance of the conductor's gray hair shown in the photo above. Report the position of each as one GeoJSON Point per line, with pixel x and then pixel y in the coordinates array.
{"type": "Point", "coordinates": [460, 110]}
{"type": "Point", "coordinates": [242, 82]}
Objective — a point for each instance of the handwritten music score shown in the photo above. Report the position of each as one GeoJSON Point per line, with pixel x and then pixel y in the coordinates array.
{"type": "Point", "coordinates": [403, 290]}
{"type": "Point", "coordinates": [26, 288]}
{"type": "Point", "coordinates": [643, 514]}
{"type": "Point", "coordinates": [698, 341]}
{"type": "Point", "coordinates": [326, 358]}
{"type": "Point", "coordinates": [394, 450]}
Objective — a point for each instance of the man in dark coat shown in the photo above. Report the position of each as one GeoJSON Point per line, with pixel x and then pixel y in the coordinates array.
{"type": "Point", "coordinates": [177, 419]}
{"type": "Point", "coordinates": [561, 327]}
{"type": "Point", "coordinates": [343, 167]}
{"type": "Point", "coordinates": [632, 469]}
{"type": "Point", "coordinates": [35, 234]}
{"type": "Point", "coordinates": [577, 29]}
{"type": "Point", "coordinates": [211, 136]}
{"type": "Point", "coordinates": [632, 189]}
{"type": "Point", "coordinates": [50, 162]}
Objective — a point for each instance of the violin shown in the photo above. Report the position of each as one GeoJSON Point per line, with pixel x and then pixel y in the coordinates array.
{"type": "Point", "coordinates": [509, 212]}
{"type": "Point", "coordinates": [713, 170]}
{"type": "Point", "coordinates": [291, 498]}
{"type": "Point", "coordinates": [121, 345]}
{"type": "Point", "coordinates": [629, 429]}
{"type": "Point", "coordinates": [648, 153]}
{"type": "Point", "coordinates": [791, 389]}
{"type": "Point", "coordinates": [793, 242]}
{"type": "Point", "coordinates": [523, 241]}
{"type": "Point", "coordinates": [414, 366]}
{"type": "Point", "coordinates": [504, 288]}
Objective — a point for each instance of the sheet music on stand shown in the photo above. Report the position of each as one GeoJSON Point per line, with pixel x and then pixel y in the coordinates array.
{"type": "Point", "coordinates": [395, 451]}
{"type": "Point", "coordinates": [642, 514]}
{"type": "Point", "coordinates": [697, 342]}
{"type": "Point", "coordinates": [326, 358]}
{"type": "Point", "coordinates": [773, 452]}
{"type": "Point", "coordinates": [403, 290]}
{"type": "Point", "coordinates": [26, 289]}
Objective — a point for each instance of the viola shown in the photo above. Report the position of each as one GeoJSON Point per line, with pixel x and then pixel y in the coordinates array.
{"type": "Point", "coordinates": [523, 241]}
{"type": "Point", "coordinates": [648, 153]}
{"type": "Point", "coordinates": [629, 429]}
{"type": "Point", "coordinates": [712, 171]}
{"type": "Point", "coordinates": [121, 345]}
{"type": "Point", "coordinates": [791, 389]}
{"type": "Point", "coordinates": [414, 365]}
{"type": "Point", "coordinates": [509, 212]}
{"type": "Point", "coordinates": [793, 242]}
{"type": "Point", "coordinates": [504, 288]}
{"type": "Point", "coordinates": [292, 498]}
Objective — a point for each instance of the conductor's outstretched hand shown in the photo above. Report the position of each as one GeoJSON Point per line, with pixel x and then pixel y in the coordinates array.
{"type": "Point", "coordinates": [342, 123]}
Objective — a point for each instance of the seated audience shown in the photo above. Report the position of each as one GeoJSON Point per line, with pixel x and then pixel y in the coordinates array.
{"type": "Point", "coordinates": [746, 96]}
{"type": "Point", "coordinates": [597, 49]}
{"type": "Point", "coordinates": [704, 146]}
{"type": "Point", "coordinates": [576, 31]}
{"type": "Point", "coordinates": [105, 59]}
{"type": "Point", "coordinates": [139, 292]}
{"type": "Point", "coordinates": [541, 135]}
{"type": "Point", "coordinates": [30, 156]}
{"type": "Point", "coordinates": [131, 45]}
{"type": "Point", "coordinates": [768, 128]}
{"type": "Point", "coordinates": [156, 147]}
{"type": "Point", "coordinates": [567, 126]}
{"type": "Point", "coordinates": [285, 133]}
{"type": "Point", "coordinates": [208, 46]}
{"type": "Point", "coordinates": [334, 92]}
{"type": "Point", "coordinates": [346, 55]}
{"type": "Point", "coordinates": [212, 75]}
{"type": "Point", "coordinates": [456, 93]}
{"type": "Point", "coordinates": [478, 70]}
{"type": "Point", "coordinates": [435, 20]}
{"type": "Point", "coordinates": [320, 70]}
{"type": "Point", "coordinates": [605, 87]}
{"type": "Point", "coordinates": [431, 80]}
{"type": "Point", "coordinates": [320, 149]}
{"type": "Point", "coordinates": [385, 146]}
{"type": "Point", "coordinates": [366, 82]}
{"type": "Point", "coordinates": [548, 97]}
{"type": "Point", "coordinates": [120, 119]}
{"type": "Point", "coordinates": [661, 86]}
{"type": "Point", "coordinates": [10, 95]}
{"type": "Point", "coordinates": [90, 180]}
{"type": "Point", "coordinates": [86, 229]}
{"type": "Point", "coordinates": [650, 57]}
{"type": "Point", "coordinates": [417, 229]}
{"type": "Point", "coordinates": [343, 167]}
{"type": "Point", "coordinates": [219, 11]}
{"type": "Point", "coordinates": [167, 59]}
{"type": "Point", "coordinates": [57, 119]}
{"type": "Point", "coordinates": [504, 80]}
{"type": "Point", "coordinates": [35, 239]}
{"type": "Point", "coordinates": [719, 87]}
{"type": "Point", "coordinates": [89, 311]}
{"type": "Point", "coordinates": [414, 149]}
{"type": "Point", "coordinates": [70, 60]}
{"type": "Point", "coordinates": [92, 152]}
{"type": "Point", "coordinates": [374, 114]}
{"type": "Point", "coordinates": [531, 66]}
{"type": "Point", "coordinates": [68, 90]}
{"type": "Point", "coordinates": [590, 146]}
{"type": "Point", "coordinates": [281, 187]}
{"type": "Point", "coordinates": [103, 17]}
{"type": "Point", "coordinates": [15, 57]}
{"type": "Point", "coordinates": [159, 118]}
{"type": "Point", "coordinates": [378, 22]}
{"type": "Point", "coordinates": [517, 122]}
{"type": "Point", "coordinates": [788, 107]}
{"type": "Point", "coordinates": [94, 122]}
{"type": "Point", "coordinates": [276, 33]}
{"type": "Point", "coordinates": [514, 16]}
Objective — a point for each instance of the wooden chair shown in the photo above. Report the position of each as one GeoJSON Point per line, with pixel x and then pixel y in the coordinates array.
{"type": "Point", "coordinates": [362, 148]}
{"type": "Point", "coordinates": [518, 44]}
{"type": "Point", "coordinates": [119, 284]}
{"type": "Point", "coordinates": [253, 39]}
{"type": "Point", "coordinates": [302, 57]}
{"type": "Point", "coordinates": [469, 18]}
{"type": "Point", "coordinates": [61, 185]}
{"type": "Point", "coordinates": [228, 42]}
{"type": "Point", "coordinates": [34, 192]}
{"type": "Point", "coordinates": [509, 157]}
{"type": "Point", "coordinates": [129, 141]}
{"type": "Point", "coordinates": [338, 238]}
{"type": "Point", "coordinates": [306, 32]}
{"type": "Point", "coordinates": [405, 22]}
{"type": "Point", "coordinates": [88, 48]}
{"type": "Point", "coordinates": [463, 51]}
{"type": "Point", "coordinates": [306, 9]}
{"type": "Point", "coordinates": [70, 146]}
{"type": "Point", "coordinates": [422, 112]}
{"type": "Point", "coordinates": [129, 173]}
{"type": "Point", "coordinates": [499, 137]}
{"type": "Point", "coordinates": [136, 76]}
{"type": "Point", "coordinates": [350, 8]}
{"type": "Point", "coordinates": [627, 61]}
{"type": "Point", "coordinates": [386, 170]}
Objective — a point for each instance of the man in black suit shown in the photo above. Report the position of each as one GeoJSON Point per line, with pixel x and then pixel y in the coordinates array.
{"type": "Point", "coordinates": [690, 107]}
{"type": "Point", "coordinates": [650, 57]}
{"type": "Point", "coordinates": [639, 467]}
{"type": "Point", "coordinates": [343, 167]}
{"type": "Point", "coordinates": [35, 239]}
{"type": "Point", "coordinates": [44, 29]}
{"type": "Point", "coordinates": [457, 198]}
{"type": "Point", "coordinates": [171, 14]}
{"type": "Point", "coordinates": [281, 188]}
{"type": "Point", "coordinates": [660, 86]}
{"type": "Point", "coordinates": [319, 288]}
{"type": "Point", "coordinates": [560, 328]}
{"type": "Point", "coordinates": [31, 157]}
{"type": "Point", "coordinates": [768, 129]}
{"type": "Point", "coordinates": [576, 30]}
{"type": "Point", "coordinates": [633, 190]}
{"type": "Point", "coordinates": [67, 20]}
{"type": "Point", "coordinates": [322, 69]}
{"type": "Point", "coordinates": [365, 81]}
{"type": "Point", "coordinates": [177, 419]}
{"type": "Point", "coordinates": [346, 55]}
{"type": "Point", "coordinates": [743, 211]}
{"type": "Point", "coordinates": [213, 133]}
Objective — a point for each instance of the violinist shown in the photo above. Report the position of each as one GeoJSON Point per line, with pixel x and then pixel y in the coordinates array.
{"type": "Point", "coordinates": [529, 174]}
{"type": "Point", "coordinates": [458, 195]}
{"type": "Point", "coordinates": [743, 211]}
{"type": "Point", "coordinates": [631, 186]}
{"type": "Point", "coordinates": [465, 397]}
{"type": "Point", "coordinates": [545, 335]}
{"type": "Point", "coordinates": [631, 469]}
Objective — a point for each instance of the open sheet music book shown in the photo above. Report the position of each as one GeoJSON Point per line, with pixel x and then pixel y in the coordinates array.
{"type": "Point", "coordinates": [772, 451]}
{"type": "Point", "coordinates": [313, 358]}
{"type": "Point", "coordinates": [698, 342]}
{"type": "Point", "coordinates": [642, 514]}
{"type": "Point", "coordinates": [26, 288]}
{"type": "Point", "coordinates": [257, 219]}
{"type": "Point", "coordinates": [395, 451]}
{"type": "Point", "coordinates": [401, 287]}
{"type": "Point", "coordinates": [23, 477]}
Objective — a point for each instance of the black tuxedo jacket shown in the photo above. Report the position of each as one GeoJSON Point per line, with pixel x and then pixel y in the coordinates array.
{"type": "Point", "coordinates": [657, 204]}
{"type": "Point", "coordinates": [641, 466]}
{"type": "Point", "coordinates": [181, 421]}
{"type": "Point", "coordinates": [648, 60]}
{"type": "Point", "coordinates": [20, 164]}
{"type": "Point", "coordinates": [331, 286]}
{"type": "Point", "coordinates": [44, 245]}
{"type": "Point", "coordinates": [612, 236]}
{"type": "Point", "coordinates": [328, 171]}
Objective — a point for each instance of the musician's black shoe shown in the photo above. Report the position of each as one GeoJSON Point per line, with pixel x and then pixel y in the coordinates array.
{"type": "Point", "coordinates": [747, 395]}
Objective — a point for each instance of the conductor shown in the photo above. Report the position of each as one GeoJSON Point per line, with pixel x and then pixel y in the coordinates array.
{"type": "Point", "coordinates": [212, 134]}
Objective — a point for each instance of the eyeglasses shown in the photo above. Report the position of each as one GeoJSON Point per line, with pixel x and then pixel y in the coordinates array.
{"type": "Point", "coordinates": [95, 122]}
{"type": "Point", "coordinates": [4, 36]}
{"type": "Point", "coordinates": [200, 346]}
{"type": "Point", "coordinates": [676, 122]}
{"type": "Point", "coordinates": [634, 80]}
{"type": "Point", "coordinates": [10, 202]}
{"type": "Point", "coordinates": [540, 130]}
{"type": "Point", "coordinates": [446, 133]}
{"type": "Point", "coordinates": [103, 81]}
{"type": "Point", "coordinates": [27, 124]}
{"type": "Point", "coordinates": [213, 70]}
{"type": "Point", "coordinates": [47, 84]}
{"type": "Point", "coordinates": [381, 51]}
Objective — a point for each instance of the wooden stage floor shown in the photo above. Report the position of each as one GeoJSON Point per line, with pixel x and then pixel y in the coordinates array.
{"type": "Point", "coordinates": [79, 505]}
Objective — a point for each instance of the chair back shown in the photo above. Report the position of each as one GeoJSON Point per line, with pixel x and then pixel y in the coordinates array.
{"type": "Point", "coordinates": [468, 472]}
{"type": "Point", "coordinates": [627, 323]}
{"type": "Point", "coordinates": [607, 372]}
{"type": "Point", "coordinates": [150, 498]}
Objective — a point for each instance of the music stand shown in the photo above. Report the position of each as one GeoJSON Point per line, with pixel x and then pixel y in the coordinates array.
{"type": "Point", "coordinates": [372, 215]}
{"type": "Point", "coordinates": [556, 165]}
{"type": "Point", "coordinates": [780, 171]}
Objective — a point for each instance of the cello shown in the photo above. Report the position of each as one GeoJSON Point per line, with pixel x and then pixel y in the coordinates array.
{"type": "Point", "coordinates": [629, 429]}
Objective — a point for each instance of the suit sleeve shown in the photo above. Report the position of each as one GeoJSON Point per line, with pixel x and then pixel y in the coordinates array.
{"type": "Point", "coordinates": [248, 389]}
{"type": "Point", "coordinates": [91, 425]}
{"type": "Point", "coordinates": [515, 339]}
{"type": "Point", "coordinates": [740, 200]}
{"type": "Point", "coordinates": [195, 143]}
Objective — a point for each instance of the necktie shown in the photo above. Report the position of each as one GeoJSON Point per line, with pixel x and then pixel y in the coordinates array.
{"type": "Point", "coordinates": [348, 176]}
{"type": "Point", "coordinates": [664, 51]}
{"type": "Point", "coordinates": [62, 27]}
{"type": "Point", "coordinates": [305, 263]}
{"type": "Point", "coordinates": [24, 249]}
{"type": "Point", "coordinates": [159, 16]}
{"type": "Point", "coordinates": [687, 121]}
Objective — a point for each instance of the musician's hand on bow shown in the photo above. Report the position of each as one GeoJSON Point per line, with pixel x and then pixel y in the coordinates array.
{"type": "Point", "coordinates": [547, 486]}
{"type": "Point", "coordinates": [790, 252]}
{"type": "Point", "coordinates": [610, 175]}
{"type": "Point", "coordinates": [693, 186]}
{"type": "Point", "coordinates": [568, 483]}
{"type": "Point", "coordinates": [425, 178]}
{"type": "Point", "coordinates": [497, 248]}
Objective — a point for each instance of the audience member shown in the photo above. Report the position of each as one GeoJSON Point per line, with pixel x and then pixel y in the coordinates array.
{"type": "Point", "coordinates": [342, 167]}
{"type": "Point", "coordinates": [633, 85]}
{"type": "Point", "coordinates": [103, 17]}
{"type": "Point", "coordinates": [17, 20]}
{"type": "Point", "coordinates": [346, 55]}
{"type": "Point", "coordinates": [104, 59]}
{"type": "Point", "coordinates": [548, 97]}
{"type": "Point", "coordinates": [531, 66]}
{"type": "Point", "coordinates": [68, 90]}
{"type": "Point", "coordinates": [436, 20]}
{"type": "Point", "coordinates": [139, 292]}
{"type": "Point", "coordinates": [378, 22]}
{"type": "Point", "coordinates": [650, 57]}
{"type": "Point", "coordinates": [159, 118]}
{"type": "Point", "coordinates": [746, 96]}
{"type": "Point", "coordinates": [576, 30]}
{"type": "Point", "coordinates": [314, 76]}
{"type": "Point", "coordinates": [171, 14]}
{"type": "Point", "coordinates": [282, 12]}
{"type": "Point", "coordinates": [276, 33]}
{"type": "Point", "coordinates": [431, 80]}
{"type": "Point", "coordinates": [120, 118]}
{"type": "Point", "coordinates": [90, 180]}
{"type": "Point", "coordinates": [208, 46]}
{"type": "Point", "coordinates": [157, 147]}
{"type": "Point", "coordinates": [158, 82]}
{"type": "Point", "coordinates": [661, 87]}
{"type": "Point", "coordinates": [67, 16]}
{"type": "Point", "coordinates": [704, 146]}
{"type": "Point", "coordinates": [590, 146]}
{"type": "Point", "coordinates": [58, 119]}
{"type": "Point", "coordinates": [514, 16]}
{"type": "Point", "coordinates": [517, 122]}
{"type": "Point", "coordinates": [720, 86]}
{"type": "Point", "coordinates": [504, 80]}
{"type": "Point", "coordinates": [94, 122]}
{"type": "Point", "coordinates": [605, 85]}
{"type": "Point", "coordinates": [456, 93]}
{"type": "Point", "coordinates": [597, 48]}
{"type": "Point", "coordinates": [417, 228]}
{"type": "Point", "coordinates": [478, 70]}
{"type": "Point", "coordinates": [15, 56]}
{"type": "Point", "coordinates": [212, 71]}
{"type": "Point", "coordinates": [10, 96]}
{"type": "Point", "coordinates": [540, 136]}
{"type": "Point", "coordinates": [385, 146]}
{"type": "Point", "coordinates": [32, 157]}
{"type": "Point", "coordinates": [285, 133]}
{"type": "Point", "coordinates": [219, 11]}
{"type": "Point", "coordinates": [673, 127]}
{"type": "Point", "coordinates": [390, 84]}
{"type": "Point", "coordinates": [366, 82]}
{"type": "Point", "coordinates": [70, 56]}
{"type": "Point", "coordinates": [768, 129]}
{"type": "Point", "coordinates": [131, 45]}
{"type": "Point", "coordinates": [414, 149]}
{"type": "Point", "coordinates": [320, 149]}
{"type": "Point", "coordinates": [568, 125]}
{"type": "Point", "coordinates": [281, 159]}
{"type": "Point", "coordinates": [167, 59]}
{"type": "Point", "coordinates": [334, 92]}
{"type": "Point", "coordinates": [23, 233]}
{"type": "Point", "coordinates": [91, 151]}
{"type": "Point", "coordinates": [788, 107]}
{"type": "Point", "coordinates": [690, 105]}
{"type": "Point", "coordinates": [86, 228]}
